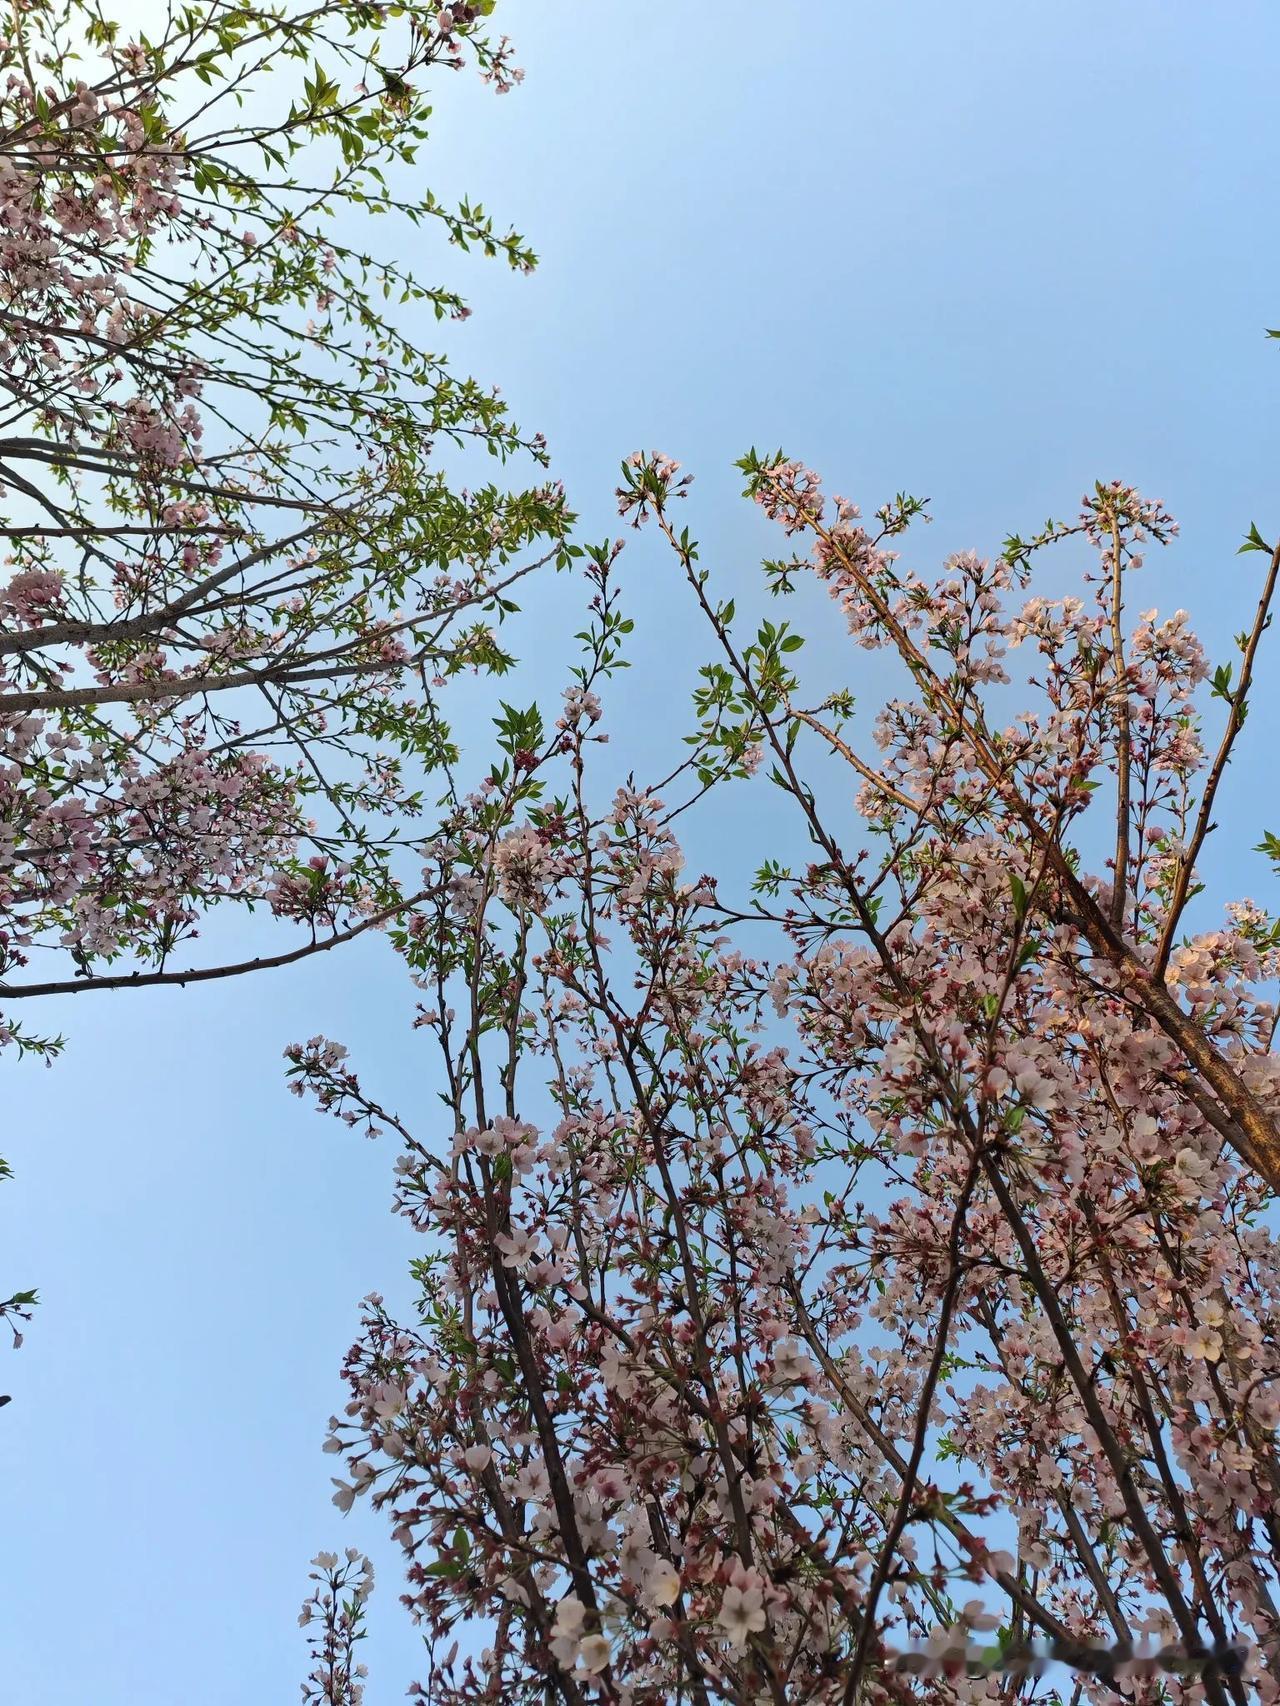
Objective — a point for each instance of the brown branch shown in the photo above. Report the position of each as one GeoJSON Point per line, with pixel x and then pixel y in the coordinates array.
{"type": "Point", "coordinates": [186, 687]}
{"type": "Point", "coordinates": [1124, 742]}
{"type": "Point", "coordinates": [902, 1514]}
{"type": "Point", "coordinates": [90, 633]}
{"type": "Point", "coordinates": [204, 974]}
{"type": "Point", "coordinates": [851, 758]}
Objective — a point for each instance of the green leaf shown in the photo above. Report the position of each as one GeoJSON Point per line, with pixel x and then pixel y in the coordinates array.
{"type": "Point", "coordinates": [1253, 539]}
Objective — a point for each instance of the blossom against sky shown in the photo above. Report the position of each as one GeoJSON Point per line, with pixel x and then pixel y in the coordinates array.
{"type": "Point", "coordinates": [988, 256]}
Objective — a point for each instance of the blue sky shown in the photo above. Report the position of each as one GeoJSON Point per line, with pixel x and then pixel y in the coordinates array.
{"type": "Point", "coordinates": [987, 254]}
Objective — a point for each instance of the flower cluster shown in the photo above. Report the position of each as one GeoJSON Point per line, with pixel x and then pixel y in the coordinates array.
{"type": "Point", "coordinates": [335, 1624]}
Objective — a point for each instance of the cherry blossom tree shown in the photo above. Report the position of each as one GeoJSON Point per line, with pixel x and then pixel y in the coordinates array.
{"type": "Point", "coordinates": [237, 569]}
{"type": "Point", "coordinates": [239, 563]}
{"type": "Point", "coordinates": [832, 1289]}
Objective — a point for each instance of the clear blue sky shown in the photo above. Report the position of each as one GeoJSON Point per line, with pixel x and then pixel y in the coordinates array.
{"type": "Point", "coordinates": [986, 253]}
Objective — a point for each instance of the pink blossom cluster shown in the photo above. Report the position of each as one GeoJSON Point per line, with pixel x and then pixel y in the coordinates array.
{"type": "Point", "coordinates": [333, 1616]}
